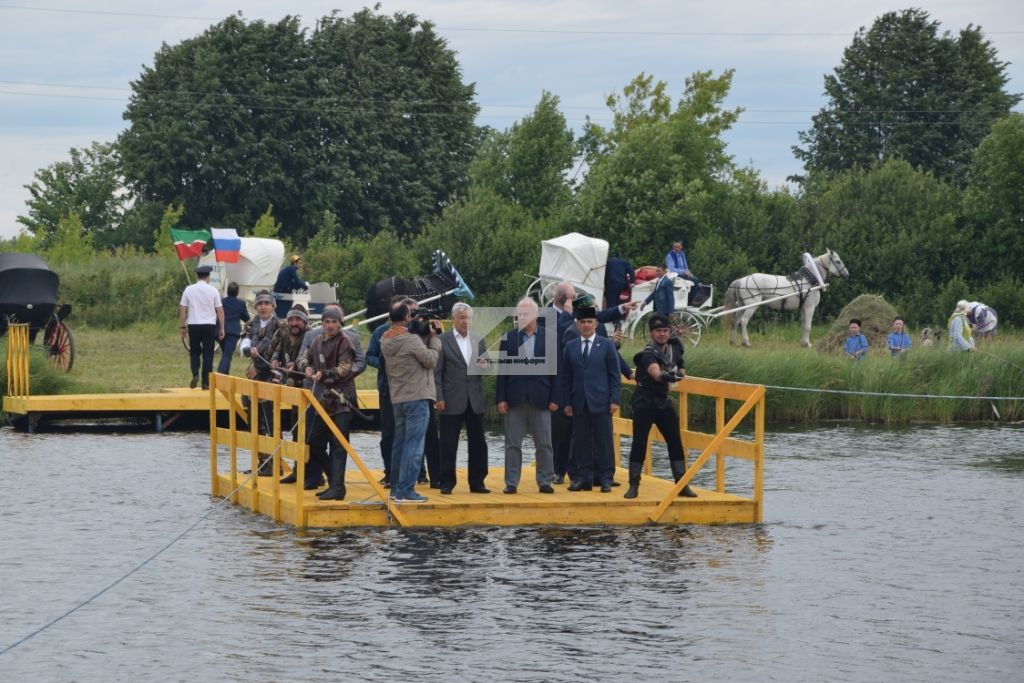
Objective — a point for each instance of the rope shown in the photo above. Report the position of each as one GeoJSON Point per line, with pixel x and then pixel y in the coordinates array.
{"type": "Point", "coordinates": [889, 395]}
{"type": "Point", "coordinates": [145, 562]}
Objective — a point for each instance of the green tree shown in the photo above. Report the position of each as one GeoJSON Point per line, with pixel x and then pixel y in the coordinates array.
{"type": "Point", "coordinates": [70, 243]}
{"type": "Point", "coordinates": [88, 184]}
{"type": "Point", "coordinates": [357, 262]}
{"type": "Point", "coordinates": [267, 226]}
{"type": "Point", "coordinates": [162, 242]}
{"type": "Point", "coordinates": [527, 163]}
{"type": "Point", "coordinates": [367, 117]}
{"type": "Point", "coordinates": [896, 230]}
{"type": "Point", "coordinates": [656, 175]}
{"type": "Point", "coordinates": [903, 91]}
{"type": "Point", "coordinates": [994, 201]}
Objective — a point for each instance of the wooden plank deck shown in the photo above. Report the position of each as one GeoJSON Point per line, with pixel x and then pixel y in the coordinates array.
{"type": "Point", "coordinates": [361, 506]}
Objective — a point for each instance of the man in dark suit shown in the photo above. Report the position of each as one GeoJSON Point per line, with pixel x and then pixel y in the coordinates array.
{"type": "Point", "coordinates": [561, 426]}
{"type": "Point", "coordinates": [590, 390]}
{"type": "Point", "coordinates": [663, 296]}
{"type": "Point", "coordinates": [460, 400]}
{"type": "Point", "coordinates": [618, 276]}
{"type": "Point", "coordinates": [527, 399]}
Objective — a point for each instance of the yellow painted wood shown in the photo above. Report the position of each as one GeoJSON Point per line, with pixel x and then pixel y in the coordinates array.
{"type": "Point", "coordinates": [212, 399]}
{"type": "Point", "coordinates": [715, 387]}
{"type": "Point", "coordinates": [719, 455]}
{"type": "Point", "coordinates": [759, 419]}
{"type": "Point", "coordinates": [731, 446]}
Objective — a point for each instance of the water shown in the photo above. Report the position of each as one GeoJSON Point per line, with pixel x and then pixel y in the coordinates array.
{"type": "Point", "coordinates": [887, 554]}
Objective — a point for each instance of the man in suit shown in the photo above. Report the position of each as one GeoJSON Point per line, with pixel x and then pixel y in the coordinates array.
{"type": "Point", "coordinates": [663, 296]}
{"type": "Point", "coordinates": [590, 391]}
{"type": "Point", "coordinates": [526, 399]}
{"type": "Point", "coordinates": [460, 400]}
{"type": "Point", "coordinates": [561, 426]}
{"type": "Point", "coordinates": [618, 276]}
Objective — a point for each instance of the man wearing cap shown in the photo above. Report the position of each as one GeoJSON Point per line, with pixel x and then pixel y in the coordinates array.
{"type": "Point", "coordinates": [285, 346]}
{"type": "Point", "coordinates": [590, 390]}
{"type": "Point", "coordinates": [201, 315]}
{"type": "Point", "coordinates": [658, 365]}
{"type": "Point", "coordinates": [328, 363]}
{"type": "Point", "coordinates": [288, 279]}
{"type": "Point", "coordinates": [255, 345]}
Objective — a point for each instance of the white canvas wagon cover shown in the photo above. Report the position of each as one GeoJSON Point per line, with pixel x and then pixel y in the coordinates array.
{"type": "Point", "coordinates": [258, 264]}
{"type": "Point", "coordinates": [575, 258]}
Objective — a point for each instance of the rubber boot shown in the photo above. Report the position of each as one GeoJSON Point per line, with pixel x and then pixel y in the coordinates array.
{"type": "Point", "coordinates": [678, 470]}
{"type": "Point", "coordinates": [635, 470]}
{"type": "Point", "coordinates": [314, 473]}
{"type": "Point", "coordinates": [337, 478]}
{"type": "Point", "coordinates": [266, 466]}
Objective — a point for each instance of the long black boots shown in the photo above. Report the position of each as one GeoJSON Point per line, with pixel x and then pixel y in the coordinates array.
{"type": "Point", "coordinates": [678, 470]}
{"type": "Point", "coordinates": [636, 469]}
{"type": "Point", "coordinates": [336, 478]}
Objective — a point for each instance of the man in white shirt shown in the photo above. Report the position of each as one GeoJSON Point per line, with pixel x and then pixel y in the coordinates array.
{"type": "Point", "coordinates": [202, 320]}
{"type": "Point", "coordinates": [460, 401]}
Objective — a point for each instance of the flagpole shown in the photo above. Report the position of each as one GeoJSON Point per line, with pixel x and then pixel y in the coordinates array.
{"type": "Point", "coordinates": [185, 270]}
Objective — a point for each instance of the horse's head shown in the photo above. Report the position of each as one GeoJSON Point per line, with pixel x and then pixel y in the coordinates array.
{"type": "Point", "coordinates": [835, 266]}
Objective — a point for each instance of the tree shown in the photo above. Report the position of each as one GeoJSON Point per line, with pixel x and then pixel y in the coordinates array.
{"type": "Point", "coordinates": [70, 243]}
{"type": "Point", "coordinates": [367, 117]}
{"type": "Point", "coordinates": [656, 174]}
{"type": "Point", "coordinates": [902, 91]}
{"type": "Point", "coordinates": [267, 226]}
{"type": "Point", "coordinates": [89, 184]}
{"type": "Point", "coordinates": [527, 163]}
{"type": "Point", "coordinates": [994, 201]}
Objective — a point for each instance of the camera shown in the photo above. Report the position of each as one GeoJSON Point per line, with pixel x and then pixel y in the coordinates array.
{"type": "Point", "coordinates": [424, 322]}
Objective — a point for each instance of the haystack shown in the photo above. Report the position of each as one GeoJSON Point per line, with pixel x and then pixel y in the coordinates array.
{"type": "Point", "coordinates": [875, 314]}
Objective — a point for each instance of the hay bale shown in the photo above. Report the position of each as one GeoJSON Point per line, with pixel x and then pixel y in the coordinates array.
{"type": "Point", "coordinates": [875, 314]}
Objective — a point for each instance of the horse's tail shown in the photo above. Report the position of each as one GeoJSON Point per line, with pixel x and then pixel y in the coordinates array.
{"type": "Point", "coordinates": [732, 299]}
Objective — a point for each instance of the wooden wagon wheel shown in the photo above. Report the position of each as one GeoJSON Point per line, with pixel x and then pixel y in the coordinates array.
{"type": "Point", "coordinates": [60, 346]}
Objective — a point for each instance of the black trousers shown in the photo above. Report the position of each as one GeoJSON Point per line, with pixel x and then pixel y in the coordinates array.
{"type": "Point", "coordinates": [319, 437]}
{"type": "Point", "coordinates": [201, 342]}
{"type": "Point", "coordinates": [652, 410]}
{"type": "Point", "coordinates": [431, 466]}
{"type": "Point", "coordinates": [592, 446]}
{"type": "Point", "coordinates": [387, 429]}
{"type": "Point", "coordinates": [451, 427]}
{"type": "Point", "coordinates": [561, 442]}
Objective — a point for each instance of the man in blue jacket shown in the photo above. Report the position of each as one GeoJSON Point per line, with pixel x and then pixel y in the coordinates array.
{"type": "Point", "coordinates": [675, 260]}
{"type": "Point", "coordinates": [526, 399]}
{"type": "Point", "coordinates": [590, 391]}
{"type": "Point", "coordinates": [663, 296]}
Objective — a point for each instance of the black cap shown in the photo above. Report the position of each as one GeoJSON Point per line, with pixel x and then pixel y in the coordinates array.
{"type": "Point", "coordinates": [584, 313]}
{"type": "Point", "coordinates": [204, 270]}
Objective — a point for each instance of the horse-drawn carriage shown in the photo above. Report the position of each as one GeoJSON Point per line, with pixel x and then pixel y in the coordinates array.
{"type": "Point", "coordinates": [28, 294]}
{"type": "Point", "coordinates": [581, 261]}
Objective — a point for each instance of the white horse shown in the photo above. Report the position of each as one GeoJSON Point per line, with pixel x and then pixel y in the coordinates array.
{"type": "Point", "coordinates": [762, 287]}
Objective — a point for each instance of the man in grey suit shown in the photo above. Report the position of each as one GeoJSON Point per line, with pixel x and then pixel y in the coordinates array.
{"type": "Point", "coordinates": [460, 400]}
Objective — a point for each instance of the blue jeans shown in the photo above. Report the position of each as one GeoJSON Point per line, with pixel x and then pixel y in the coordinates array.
{"type": "Point", "coordinates": [227, 348]}
{"type": "Point", "coordinates": [407, 447]}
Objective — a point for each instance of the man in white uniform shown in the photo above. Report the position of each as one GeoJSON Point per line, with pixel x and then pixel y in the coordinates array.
{"type": "Point", "coordinates": [202, 319]}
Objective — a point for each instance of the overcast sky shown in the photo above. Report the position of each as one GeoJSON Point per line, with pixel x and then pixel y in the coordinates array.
{"type": "Point", "coordinates": [65, 66]}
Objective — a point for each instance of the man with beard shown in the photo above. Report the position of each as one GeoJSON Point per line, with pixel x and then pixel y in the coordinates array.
{"type": "Point", "coordinates": [658, 365]}
{"type": "Point", "coordinates": [328, 363]}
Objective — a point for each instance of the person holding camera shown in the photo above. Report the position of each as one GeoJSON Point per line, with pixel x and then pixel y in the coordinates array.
{"type": "Point", "coordinates": [409, 360]}
{"type": "Point", "coordinates": [460, 400]}
{"type": "Point", "coordinates": [658, 365]}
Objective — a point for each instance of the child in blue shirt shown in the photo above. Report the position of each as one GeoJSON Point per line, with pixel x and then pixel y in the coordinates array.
{"type": "Point", "coordinates": [856, 346]}
{"type": "Point", "coordinates": [898, 341]}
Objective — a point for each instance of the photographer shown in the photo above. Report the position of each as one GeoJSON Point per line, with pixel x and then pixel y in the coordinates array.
{"type": "Point", "coordinates": [658, 365]}
{"type": "Point", "coordinates": [409, 361]}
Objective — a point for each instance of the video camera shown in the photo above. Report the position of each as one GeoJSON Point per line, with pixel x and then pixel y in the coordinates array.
{"type": "Point", "coordinates": [424, 322]}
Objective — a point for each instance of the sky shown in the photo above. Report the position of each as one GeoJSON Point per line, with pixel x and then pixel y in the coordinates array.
{"type": "Point", "coordinates": [66, 67]}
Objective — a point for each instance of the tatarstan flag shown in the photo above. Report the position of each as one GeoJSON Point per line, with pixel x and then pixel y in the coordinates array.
{"type": "Point", "coordinates": [189, 243]}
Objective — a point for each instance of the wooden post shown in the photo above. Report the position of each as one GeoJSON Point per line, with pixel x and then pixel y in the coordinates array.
{"type": "Point", "coordinates": [276, 458]}
{"type": "Point", "coordinates": [719, 456]}
{"type": "Point", "coordinates": [214, 480]}
{"type": "Point", "coordinates": [684, 417]}
{"type": "Point", "coordinates": [300, 465]}
{"type": "Point", "coordinates": [254, 444]}
{"type": "Point", "coordinates": [759, 418]}
{"type": "Point", "coordinates": [233, 438]}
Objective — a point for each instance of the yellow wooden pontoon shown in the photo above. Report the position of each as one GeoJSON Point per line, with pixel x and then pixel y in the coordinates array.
{"type": "Point", "coordinates": [367, 502]}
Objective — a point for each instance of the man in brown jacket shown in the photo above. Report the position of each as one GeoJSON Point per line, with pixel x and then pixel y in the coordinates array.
{"type": "Point", "coordinates": [409, 360]}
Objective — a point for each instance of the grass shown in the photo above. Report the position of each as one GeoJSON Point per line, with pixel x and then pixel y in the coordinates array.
{"type": "Point", "coordinates": [149, 356]}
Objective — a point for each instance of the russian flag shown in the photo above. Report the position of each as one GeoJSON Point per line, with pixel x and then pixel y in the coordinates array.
{"type": "Point", "coordinates": [227, 244]}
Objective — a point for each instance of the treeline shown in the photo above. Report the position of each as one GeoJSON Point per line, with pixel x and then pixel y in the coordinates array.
{"type": "Point", "coordinates": [355, 143]}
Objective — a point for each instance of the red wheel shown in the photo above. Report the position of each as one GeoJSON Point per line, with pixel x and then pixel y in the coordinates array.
{"type": "Point", "coordinates": [60, 346]}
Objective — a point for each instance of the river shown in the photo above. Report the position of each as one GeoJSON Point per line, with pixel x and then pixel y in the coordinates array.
{"type": "Point", "coordinates": [886, 554]}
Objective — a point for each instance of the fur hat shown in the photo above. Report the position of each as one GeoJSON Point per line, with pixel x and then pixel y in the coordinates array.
{"type": "Point", "coordinates": [298, 311]}
{"type": "Point", "coordinates": [263, 296]}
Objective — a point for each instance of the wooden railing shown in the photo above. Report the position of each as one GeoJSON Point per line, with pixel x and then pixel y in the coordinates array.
{"type": "Point", "coordinates": [719, 444]}
{"type": "Point", "coordinates": [277, 398]}
{"type": "Point", "coordinates": [17, 360]}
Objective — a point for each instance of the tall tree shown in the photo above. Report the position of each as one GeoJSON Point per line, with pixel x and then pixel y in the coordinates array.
{"type": "Point", "coordinates": [367, 117]}
{"type": "Point", "coordinates": [903, 91]}
{"type": "Point", "coordinates": [89, 184]}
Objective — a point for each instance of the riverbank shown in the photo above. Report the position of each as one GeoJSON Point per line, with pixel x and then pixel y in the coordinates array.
{"type": "Point", "coordinates": [150, 356]}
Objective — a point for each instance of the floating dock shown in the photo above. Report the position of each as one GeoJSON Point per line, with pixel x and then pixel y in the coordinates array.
{"type": "Point", "coordinates": [367, 503]}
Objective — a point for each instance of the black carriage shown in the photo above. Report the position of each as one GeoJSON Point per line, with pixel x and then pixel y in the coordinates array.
{"type": "Point", "coordinates": [28, 294]}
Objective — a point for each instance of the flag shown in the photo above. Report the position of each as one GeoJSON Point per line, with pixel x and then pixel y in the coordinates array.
{"type": "Point", "coordinates": [189, 243]}
{"type": "Point", "coordinates": [227, 244]}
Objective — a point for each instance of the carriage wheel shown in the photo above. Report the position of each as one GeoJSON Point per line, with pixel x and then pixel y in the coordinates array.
{"type": "Point", "coordinates": [688, 326]}
{"type": "Point", "coordinates": [60, 346]}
